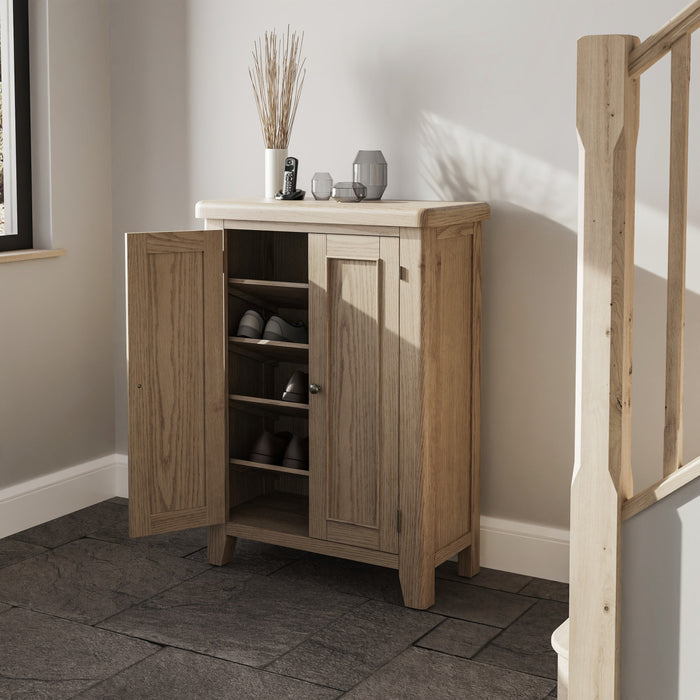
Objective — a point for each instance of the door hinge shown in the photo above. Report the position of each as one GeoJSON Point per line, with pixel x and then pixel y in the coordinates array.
{"type": "Point", "coordinates": [403, 273]}
{"type": "Point", "coordinates": [398, 521]}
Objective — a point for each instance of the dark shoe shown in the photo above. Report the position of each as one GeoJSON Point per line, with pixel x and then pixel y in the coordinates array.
{"type": "Point", "coordinates": [297, 389]}
{"type": "Point", "coordinates": [297, 453]}
{"type": "Point", "coordinates": [270, 447]}
{"type": "Point", "coordinates": [279, 329]}
{"type": "Point", "coordinates": [251, 325]}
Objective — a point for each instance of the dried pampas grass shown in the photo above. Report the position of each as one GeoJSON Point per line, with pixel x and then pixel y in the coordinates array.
{"type": "Point", "coordinates": [277, 75]}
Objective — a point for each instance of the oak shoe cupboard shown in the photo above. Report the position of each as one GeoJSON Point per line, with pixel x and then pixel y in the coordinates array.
{"type": "Point", "coordinates": [391, 293]}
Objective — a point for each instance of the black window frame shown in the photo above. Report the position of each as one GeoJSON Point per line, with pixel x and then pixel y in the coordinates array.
{"type": "Point", "coordinates": [21, 121]}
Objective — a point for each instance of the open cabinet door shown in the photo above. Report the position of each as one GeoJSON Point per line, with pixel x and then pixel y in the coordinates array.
{"type": "Point", "coordinates": [177, 381]}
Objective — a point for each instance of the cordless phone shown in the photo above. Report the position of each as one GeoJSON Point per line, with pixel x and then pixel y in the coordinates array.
{"type": "Point", "coordinates": [289, 183]}
{"type": "Point", "coordinates": [290, 176]}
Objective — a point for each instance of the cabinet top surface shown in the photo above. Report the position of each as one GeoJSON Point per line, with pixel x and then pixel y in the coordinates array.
{"type": "Point", "coordinates": [375, 213]}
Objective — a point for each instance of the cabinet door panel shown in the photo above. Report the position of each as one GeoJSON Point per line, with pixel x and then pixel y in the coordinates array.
{"type": "Point", "coordinates": [354, 420]}
{"type": "Point", "coordinates": [177, 395]}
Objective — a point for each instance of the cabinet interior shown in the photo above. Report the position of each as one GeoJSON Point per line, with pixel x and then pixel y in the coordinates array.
{"type": "Point", "coordinates": [267, 272]}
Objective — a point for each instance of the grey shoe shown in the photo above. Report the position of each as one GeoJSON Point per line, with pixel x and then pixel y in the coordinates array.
{"type": "Point", "coordinates": [279, 329]}
{"type": "Point", "coordinates": [251, 325]}
{"type": "Point", "coordinates": [297, 453]}
{"type": "Point", "coordinates": [270, 447]}
{"type": "Point", "coordinates": [297, 390]}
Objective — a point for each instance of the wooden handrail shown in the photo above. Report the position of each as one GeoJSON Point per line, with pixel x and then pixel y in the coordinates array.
{"type": "Point", "coordinates": [662, 488]}
{"type": "Point", "coordinates": [659, 43]}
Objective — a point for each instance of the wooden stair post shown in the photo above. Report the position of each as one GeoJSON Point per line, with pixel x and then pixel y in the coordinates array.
{"type": "Point", "coordinates": [607, 122]}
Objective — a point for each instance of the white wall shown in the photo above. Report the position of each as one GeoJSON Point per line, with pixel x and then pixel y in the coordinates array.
{"type": "Point", "coordinates": [660, 606]}
{"type": "Point", "coordinates": [56, 319]}
{"type": "Point", "coordinates": [467, 100]}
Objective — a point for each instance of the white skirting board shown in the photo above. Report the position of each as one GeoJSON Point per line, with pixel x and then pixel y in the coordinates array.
{"type": "Point", "coordinates": [508, 545]}
{"type": "Point", "coordinates": [50, 496]}
{"type": "Point", "coordinates": [525, 548]}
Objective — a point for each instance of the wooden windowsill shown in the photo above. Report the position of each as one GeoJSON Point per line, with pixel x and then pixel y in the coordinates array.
{"type": "Point", "coordinates": [33, 254]}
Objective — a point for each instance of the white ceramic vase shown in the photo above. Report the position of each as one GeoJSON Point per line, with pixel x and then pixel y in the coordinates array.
{"type": "Point", "coordinates": [274, 171]}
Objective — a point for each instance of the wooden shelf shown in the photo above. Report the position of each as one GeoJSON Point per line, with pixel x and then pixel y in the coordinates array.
{"type": "Point", "coordinates": [278, 512]}
{"type": "Point", "coordinates": [270, 350]}
{"type": "Point", "coordinates": [258, 406]}
{"type": "Point", "coordinates": [274, 295]}
{"type": "Point", "coordinates": [268, 467]}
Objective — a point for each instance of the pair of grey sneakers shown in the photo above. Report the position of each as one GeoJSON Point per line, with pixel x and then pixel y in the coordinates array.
{"type": "Point", "coordinates": [252, 325]}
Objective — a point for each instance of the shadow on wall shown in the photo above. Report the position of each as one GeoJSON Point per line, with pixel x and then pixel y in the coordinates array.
{"type": "Point", "coordinates": [529, 326]}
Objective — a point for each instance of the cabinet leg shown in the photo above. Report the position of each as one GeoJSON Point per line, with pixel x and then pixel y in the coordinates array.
{"type": "Point", "coordinates": [417, 584]}
{"type": "Point", "coordinates": [220, 546]}
{"type": "Point", "coordinates": [468, 562]}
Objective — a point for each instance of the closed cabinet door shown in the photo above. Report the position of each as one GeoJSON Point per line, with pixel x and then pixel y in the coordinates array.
{"type": "Point", "coordinates": [354, 399]}
{"type": "Point", "coordinates": [177, 388]}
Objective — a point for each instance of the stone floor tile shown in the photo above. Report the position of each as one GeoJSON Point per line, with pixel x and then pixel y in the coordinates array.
{"type": "Point", "coordinates": [75, 525]}
{"type": "Point", "coordinates": [89, 580]}
{"type": "Point", "coordinates": [177, 544]}
{"type": "Point", "coordinates": [357, 644]}
{"type": "Point", "coordinates": [548, 590]}
{"type": "Point", "coordinates": [459, 638]}
{"type": "Point", "coordinates": [417, 674]}
{"type": "Point", "coordinates": [13, 551]}
{"type": "Point", "coordinates": [355, 578]}
{"type": "Point", "coordinates": [526, 644]}
{"type": "Point", "coordinates": [183, 675]}
{"type": "Point", "coordinates": [255, 557]}
{"type": "Point", "coordinates": [486, 578]}
{"type": "Point", "coordinates": [46, 657]}
{"type": "Point", "coordinates": [119, 501]}
{"type": "Point", "coordinates": [240, 617]}
{"type": "Point", "coordinates": [476, 604]}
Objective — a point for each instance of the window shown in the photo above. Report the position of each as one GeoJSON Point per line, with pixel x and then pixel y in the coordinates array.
{"type": "Point", "coordinates": [15, 166]}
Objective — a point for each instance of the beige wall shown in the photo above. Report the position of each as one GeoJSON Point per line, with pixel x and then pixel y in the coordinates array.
{"type": "Point", "coordinates": [56, 319]}
{"type": "Point", "coordinates": [466, 100]}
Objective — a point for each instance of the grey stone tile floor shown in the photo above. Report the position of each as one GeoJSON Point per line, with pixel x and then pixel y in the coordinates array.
{"type": "Point", "coordinates": [87, 612]}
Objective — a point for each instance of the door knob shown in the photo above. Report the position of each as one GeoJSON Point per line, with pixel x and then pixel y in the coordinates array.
{"type": "Point", "coordinates": [314, 388]}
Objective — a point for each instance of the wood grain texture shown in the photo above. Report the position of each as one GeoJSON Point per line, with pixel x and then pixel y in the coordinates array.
{"type": "Point", "coordinates": [352, 391]}
{"type": "Point", "coordinates": [646, 54]}
{"type": "Point", "coordinates": [276, 295]}
{"type": "Point", "coordinates": [357, 305]}
{"type": "Point", "coordinates": [354, 534]}
{"type": "Point", "coordinates": [462, 544]}
{"type": "Point", "coordinates": [174, 387]}
{"type": "Point", "coordinates": [447, 345]}
{"type": "Point", "coordinates": [270, 350]}
{"type": "Point", "coordinates": [389, 392]}
{"type": "Point", "coordinates": [267, 406]}
{"type": "Point", "coordinates": [381, 213]}
{"type": "Point", "coordinates": [308, 227]}
{"type": "Point", "coordinates": [677, 224]}
{"type": "Point", "coordinates": [662, 488]}
{"type": "Point", "coordinates": [220, 545]}
{"type": "Point", "coordinates": [607, 122]}
{"type": "Point", "coordinates": [176, 373]}
{"type": "Point", "coordinates": [353, 247]}
{"type": "Point", "coordinates": [468, 560]}
{"type": "Point", "coordinates": [417, 497]}
{"type": "Point", "coordinates": [318, 482]}
{"type": "Point", "coordinates": [282, 519]}
{"type": "Point", "coordinates": [30, 254]}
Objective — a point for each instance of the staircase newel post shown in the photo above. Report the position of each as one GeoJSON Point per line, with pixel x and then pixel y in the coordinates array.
{"type": "Point", "coordinates": [607, 118]}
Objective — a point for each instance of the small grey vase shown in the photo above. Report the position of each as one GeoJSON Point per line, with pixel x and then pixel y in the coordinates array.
{"type": "Point", "coordinates": [370, 169]}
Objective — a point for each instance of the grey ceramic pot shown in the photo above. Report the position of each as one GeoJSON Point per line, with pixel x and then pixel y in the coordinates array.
{"type": "Point", "coordinates": [370, 169]}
